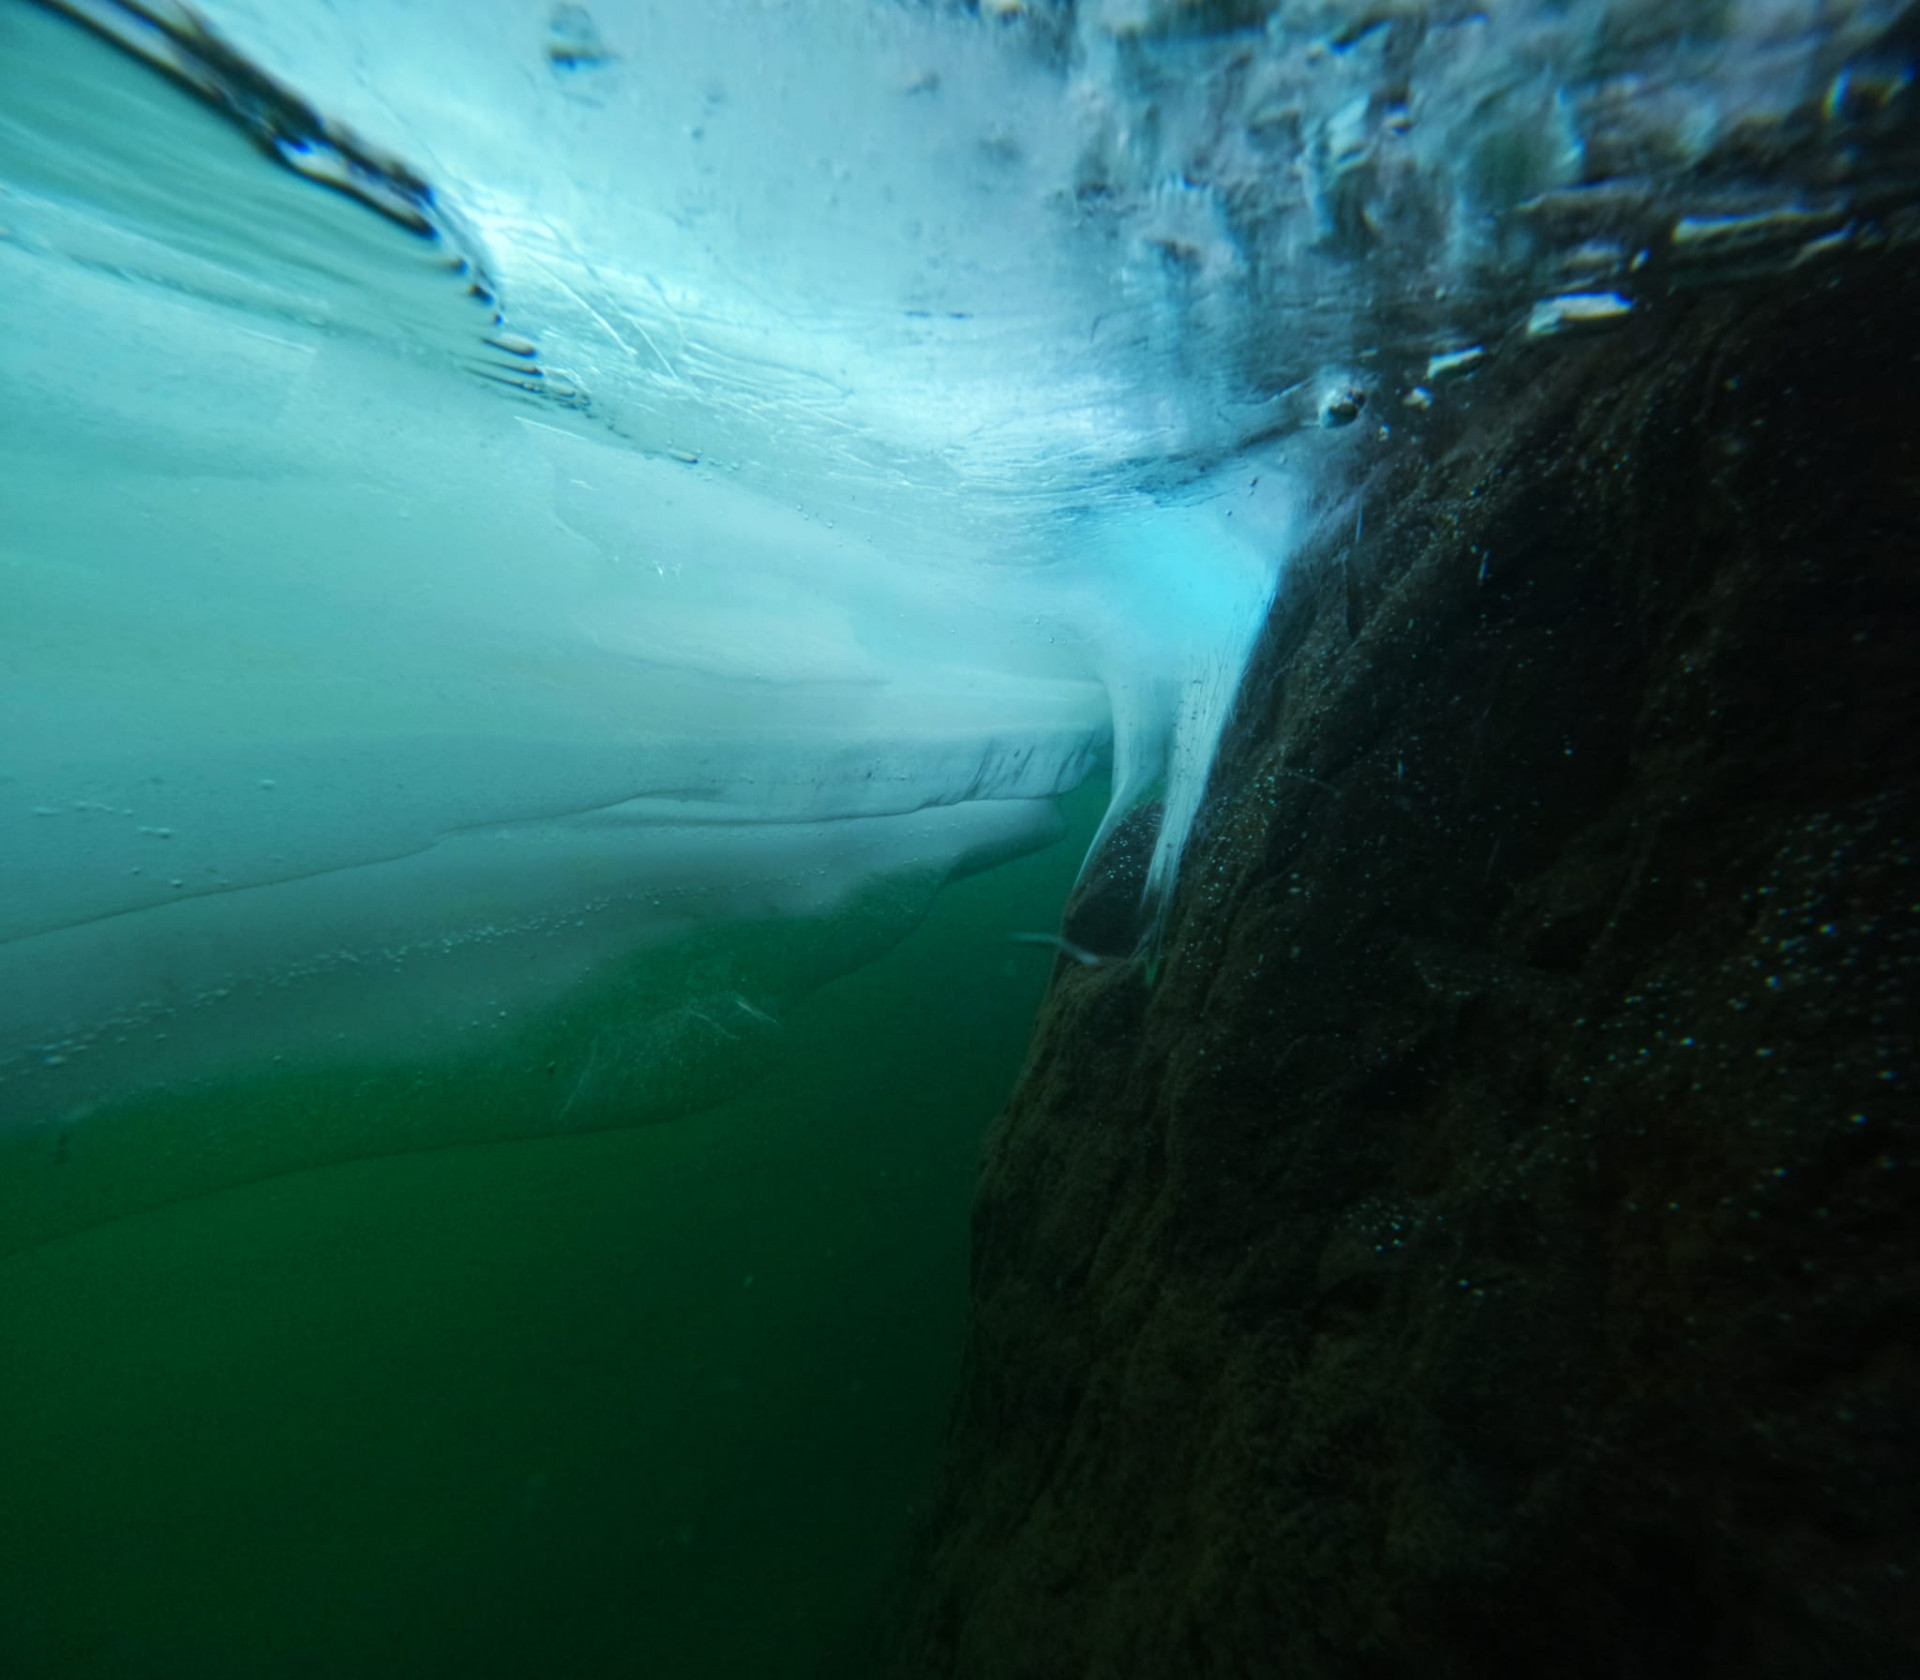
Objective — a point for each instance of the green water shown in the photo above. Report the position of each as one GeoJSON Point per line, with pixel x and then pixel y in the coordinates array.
{"type": "Point", "coordinates": [662, 1401]}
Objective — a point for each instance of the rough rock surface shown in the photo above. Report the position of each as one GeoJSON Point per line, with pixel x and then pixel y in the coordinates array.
{"type": "Point", "coordinates": [1488, 1245]}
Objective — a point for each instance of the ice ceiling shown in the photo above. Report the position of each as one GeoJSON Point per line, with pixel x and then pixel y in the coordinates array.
{"type": "Point", "coordinates": [486, 488]}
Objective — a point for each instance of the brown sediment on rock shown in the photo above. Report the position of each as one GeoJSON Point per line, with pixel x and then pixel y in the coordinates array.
{"type": "Point", "coordinates": [1489, 1245]}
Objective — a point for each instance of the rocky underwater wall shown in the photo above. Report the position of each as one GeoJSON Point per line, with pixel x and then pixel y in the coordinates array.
{"type": "Point", "coordinates": [1484, 1245]}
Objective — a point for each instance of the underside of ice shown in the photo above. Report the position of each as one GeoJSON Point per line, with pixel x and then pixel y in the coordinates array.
{"type": "Point", "coordinates": [489, 488]}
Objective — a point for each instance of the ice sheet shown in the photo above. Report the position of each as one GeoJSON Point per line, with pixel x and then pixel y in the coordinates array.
{"type": "Point", "coordinates": [470, 470]}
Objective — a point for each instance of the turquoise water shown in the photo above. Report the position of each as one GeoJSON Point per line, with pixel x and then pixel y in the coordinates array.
{"type": "Point", "coordinates": [662, 1400]}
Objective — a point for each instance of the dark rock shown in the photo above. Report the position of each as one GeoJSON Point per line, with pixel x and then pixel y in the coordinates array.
{"type": "Point", "coordinates": [1107, 916]}
{"type": "Point", "coordinates": [1489, 1245]}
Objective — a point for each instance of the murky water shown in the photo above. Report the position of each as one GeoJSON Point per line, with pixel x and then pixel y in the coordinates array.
{"type": "Point", "coordinates": [659, 1401]}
